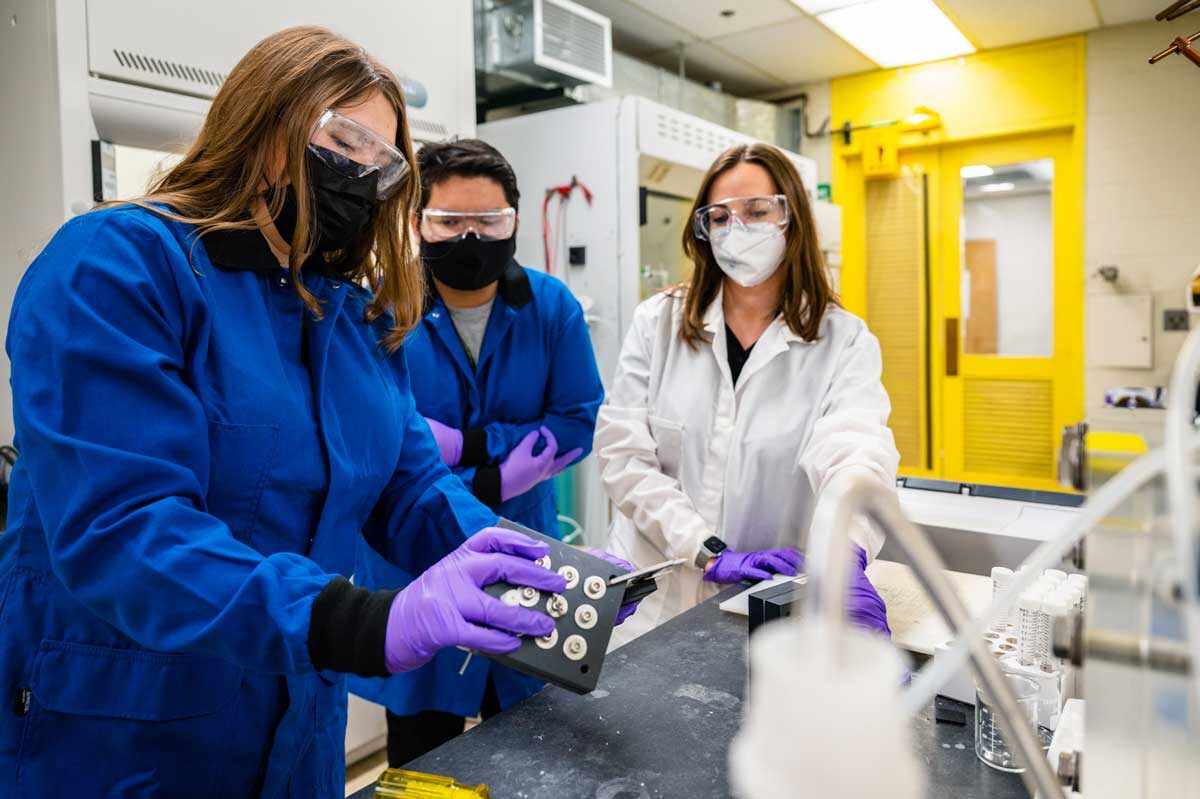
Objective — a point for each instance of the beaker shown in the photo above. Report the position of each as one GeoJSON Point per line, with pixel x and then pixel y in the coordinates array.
{"type": "Point", "coordinates": [990, 744]}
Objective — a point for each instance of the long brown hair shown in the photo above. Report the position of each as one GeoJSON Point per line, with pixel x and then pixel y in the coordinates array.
{"type": "Point", "coordinates": [272, 100]}
{"type": "Point", "coordinates": [806, 289]}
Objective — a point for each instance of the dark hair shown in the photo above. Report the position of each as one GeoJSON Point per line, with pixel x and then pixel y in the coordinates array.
{"type": "Point", "coordinates": [465, 158]}
{"type": "Point", "coordinates": [806, 290]}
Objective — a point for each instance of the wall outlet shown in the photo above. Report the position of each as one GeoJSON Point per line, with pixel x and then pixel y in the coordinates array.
{"type": "Point", "coordinates": [1175, 319]}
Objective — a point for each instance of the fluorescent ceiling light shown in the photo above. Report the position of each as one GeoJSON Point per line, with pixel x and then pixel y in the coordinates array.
{"type": "Point", "coordinates": [815, 7]}
{"type": "Point", "coordinates": [977, 171]}
{"type": "Point", "coordinates": [894, 33]}
{"type": "Point", "coordinates": [997, 187]}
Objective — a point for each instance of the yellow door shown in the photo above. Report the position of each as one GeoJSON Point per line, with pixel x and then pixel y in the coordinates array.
{"type": "Point", "coordinates": [899, 296]}
{"type": "Point", "coordinates": [972, 278]}
{"type": "Point", "coordinates": [1008, 323]}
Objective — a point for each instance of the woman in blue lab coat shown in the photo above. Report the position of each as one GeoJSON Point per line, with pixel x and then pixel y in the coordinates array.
{"type": "Point", "coordinates": [210, 409]}
{"type": "Point", "coordinates": [487, 320]}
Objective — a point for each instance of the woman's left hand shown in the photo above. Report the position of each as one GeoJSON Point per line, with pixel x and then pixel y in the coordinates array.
{"type": "Point", "coordinates": [864, 605]}
{"type": "Point", "coordinates": [630, 608]}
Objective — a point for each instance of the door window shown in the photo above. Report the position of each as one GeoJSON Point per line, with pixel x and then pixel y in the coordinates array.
{"type": "Point", "coordinates": [1008, 259]}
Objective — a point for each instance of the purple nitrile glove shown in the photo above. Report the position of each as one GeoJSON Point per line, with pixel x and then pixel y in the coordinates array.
{"type": "Point", "coordinates": [522, 470]}
{"type": "Point", "coordinates": [630, 608]}
{"type": "Point", "coordinates": [563, 461]}
{"type": "Point", "coordinates": [733, 567]}
{"type": "Point", "coordinates": [449, 441]}
{"type": "Point", "coordinates": [446, 605]}
{"type": "Point", "coordinates": [864, 605]}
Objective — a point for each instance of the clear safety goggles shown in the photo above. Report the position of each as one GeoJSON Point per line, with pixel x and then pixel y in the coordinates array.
{"type": "Point", "coordinates": [439, 225]}
{"type": "Point", "coordinates": [354, 151]}
{"type": "Point", "coordinates": [720, 216]}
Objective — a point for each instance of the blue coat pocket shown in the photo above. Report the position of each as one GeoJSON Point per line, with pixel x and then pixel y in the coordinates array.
{"type": "Point", "coordinates": [86, 680]}
{"type": "Point", "coordinates": [240, 457]}
{"type": "Point", "coordinates": [127, 722]}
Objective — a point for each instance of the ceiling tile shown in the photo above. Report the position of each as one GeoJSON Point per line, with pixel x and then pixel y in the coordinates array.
{"type": "Point", "coordinates": [988, 23]}
{"type": "Point", "coordinates": [706, 63]}
{"type": "Point", "coordinates": [703, 19]}
{"type": "Point", "coordinates": [637, 31]}
{"type": "Point", "coordinates": [1119, 12]}
{"type": "Point", "coordinates": [796, 52]}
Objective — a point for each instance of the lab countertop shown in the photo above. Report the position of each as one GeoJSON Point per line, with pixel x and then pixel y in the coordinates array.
{"type": "Point", "coordinates": [659, 725]}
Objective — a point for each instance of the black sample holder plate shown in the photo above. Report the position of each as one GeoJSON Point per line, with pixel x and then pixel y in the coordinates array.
{"type": "Point", "coordinates": [775, 602]}
{"type": "Point", "coordinates": [584, 616]}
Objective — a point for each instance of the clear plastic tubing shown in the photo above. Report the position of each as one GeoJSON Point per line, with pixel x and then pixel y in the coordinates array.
{"type": "Point", "coordinates": [1001, 577]}
{"type": "Point", "coordinates": [1029, 623]}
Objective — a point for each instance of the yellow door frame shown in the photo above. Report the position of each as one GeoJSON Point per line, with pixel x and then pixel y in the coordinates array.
{"type": "Point", "coordinates": [992, 100]}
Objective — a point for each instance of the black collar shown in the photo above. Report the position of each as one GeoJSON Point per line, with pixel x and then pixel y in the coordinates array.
{"type": "Point", "coordinates": [513, 287]}
{"type": "Point", "coordinates": [240, 250]}
{"type": "Point", "coordinates": [247, 251]}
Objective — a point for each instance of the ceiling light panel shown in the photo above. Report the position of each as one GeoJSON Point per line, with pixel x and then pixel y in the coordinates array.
{"type": "Point", "coordinates": [815, 7]}
{"type": "Point", "coordinates": [895, 33]}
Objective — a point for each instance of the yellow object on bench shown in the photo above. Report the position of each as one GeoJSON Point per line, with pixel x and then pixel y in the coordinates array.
{"type": "Point", "coordinates": [396, 783]}
{"type": "Point", "coordinates": [1110, 452]}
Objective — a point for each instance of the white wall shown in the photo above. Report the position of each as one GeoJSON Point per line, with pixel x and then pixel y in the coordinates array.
{"type": "Point", "coordinates": [1022, 227]}
{"type": "Point", "coordinates": [1143, 167]}
{"type": "Point", "coordinates": [45, 158]}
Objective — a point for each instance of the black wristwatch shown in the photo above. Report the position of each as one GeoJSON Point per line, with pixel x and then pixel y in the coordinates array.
{"type": "Point", "coordinates": [711, 547]}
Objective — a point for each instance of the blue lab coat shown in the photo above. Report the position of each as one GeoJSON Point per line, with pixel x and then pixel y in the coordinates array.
{"type": "Point", "coordinates": [198, 458]}
{"type": "Point", "coordinates": [536, 366]}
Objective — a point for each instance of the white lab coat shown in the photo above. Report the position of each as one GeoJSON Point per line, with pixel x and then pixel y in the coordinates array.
{"type": "Point", "coordinates": [683, 455]}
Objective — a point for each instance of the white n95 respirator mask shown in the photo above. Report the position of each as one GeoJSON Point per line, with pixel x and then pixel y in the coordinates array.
{"type": "Point", "coordinates": [749, 254]}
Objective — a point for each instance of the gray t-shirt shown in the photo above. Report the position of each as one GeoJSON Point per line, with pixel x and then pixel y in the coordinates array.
{"type": "Point", "coordinates": [471, 323]}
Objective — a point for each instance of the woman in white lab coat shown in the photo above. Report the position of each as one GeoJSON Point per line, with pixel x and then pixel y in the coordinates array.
{"type": "Point", "coordinates": [742, 399]}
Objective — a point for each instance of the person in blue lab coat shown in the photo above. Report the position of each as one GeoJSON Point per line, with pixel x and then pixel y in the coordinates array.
{"type": "Point", "coordinates": [503, 371]}
{"type": "Point", "coordinates": [212, 412]}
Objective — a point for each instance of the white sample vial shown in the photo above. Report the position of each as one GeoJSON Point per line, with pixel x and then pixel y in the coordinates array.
{"type": "Point", "coordinates": [1057, 575]}
{"type": "Point", "coordinates": [1054, 606]}
{"type": "Point", "coordinates": [1029, 624]}
{"type": "Point", "coordinates": [1001, 578]}
{"type": "Point", "coordinates": [1045, 584]}
{"type": "Point", "coordinates": [1080, 582]}
{"type": "Point", "coordinates": [1073, 596]}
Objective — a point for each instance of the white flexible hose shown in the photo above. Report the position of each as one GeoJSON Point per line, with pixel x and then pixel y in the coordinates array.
{"type": "Point", "coordinates": [828, 566]}
{"type": "Point", "coordinates": [1180, 441]}
{"type": "Point", "coordinates": [576, 534]}
{"type": "Point", "coordinates": [937, 672]}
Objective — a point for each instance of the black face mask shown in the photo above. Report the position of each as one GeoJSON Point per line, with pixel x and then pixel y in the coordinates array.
{"type": "Point", "coordinates": [343, 206]}
{"type": "Point", "coordinates": [468, 264]}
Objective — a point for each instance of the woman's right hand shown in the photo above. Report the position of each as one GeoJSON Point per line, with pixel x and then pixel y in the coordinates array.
{"type": "Point", "coordinates": [446, 605]}
{"type": "Point", "coordinates": [522, 470]}
{"type": "Point", "coordinates": [733, 567]}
